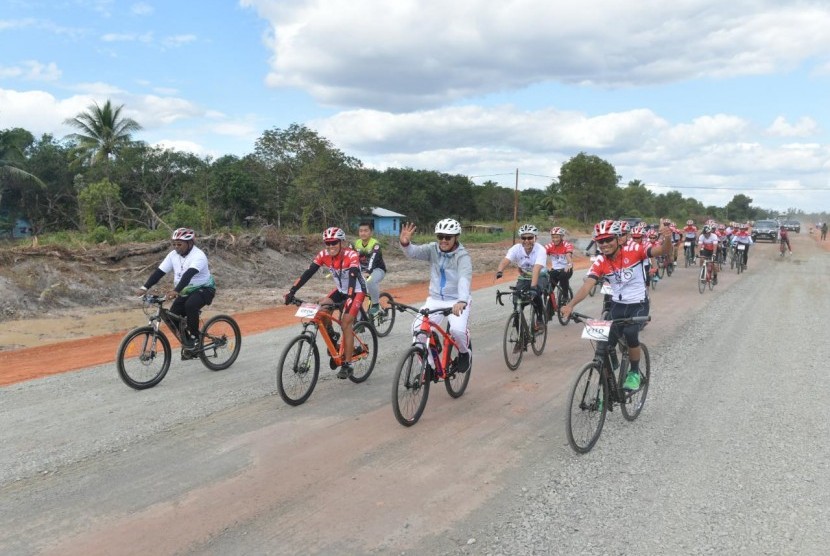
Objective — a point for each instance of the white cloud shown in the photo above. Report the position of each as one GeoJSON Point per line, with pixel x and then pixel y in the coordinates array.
{"type": "Point", "coordinates": [804, 127]}
{"type": "Point", "coordinates": [31, 70]}
{"type": "Point", "coordinates": [128, 37]}
{"type": "Point", "coordinates": [421, 53]}
{"type": "Point", "coordinates": [141, 8]}
{"type": "Point", "coordinates": [177, 40]}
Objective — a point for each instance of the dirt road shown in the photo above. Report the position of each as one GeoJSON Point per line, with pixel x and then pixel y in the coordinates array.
{"type": "Point", "coordinates": [215, 463]}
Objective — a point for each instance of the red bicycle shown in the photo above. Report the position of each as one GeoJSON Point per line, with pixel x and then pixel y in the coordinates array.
{"type": "Point", "coordinates": [431, 358]}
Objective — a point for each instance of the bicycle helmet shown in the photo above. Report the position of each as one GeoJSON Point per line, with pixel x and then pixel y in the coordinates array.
{"type": "Point", "coordinates": [528, 229]}
{"type": "Point", "coordinates": [557, 231]}
{"type": "Point", "coordinates": [721, 226]}
{"type": "Point", "coordinates": [332, 234]}
{"type": "Point", "coordinates": [448, 226]}
{"type": "Point", "coordinates": [183, 234]}
{"type": "Point", "coordinates": [637, 232]}
{"type": "Point", "coordinates": [707, 229]}
{"type": "Point", "coordinates": [624, 226]}
{"type": "Point", "coordinates": [606, 228]}
{"type": "Point", "coordinates": [690, 222]}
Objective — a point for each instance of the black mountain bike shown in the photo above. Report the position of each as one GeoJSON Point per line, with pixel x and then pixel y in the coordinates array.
{"type": "Point", "coordinates": [599, 384]}
{"type": "Point", "coordinates": [144, 355]}
{"type": "Point", "coordinates": [525, 327]}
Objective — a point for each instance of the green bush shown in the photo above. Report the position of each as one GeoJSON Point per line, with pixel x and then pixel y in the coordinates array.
{"type": "Point", "coordinates": [101, 235]}
{"type": "Point", "coordinates": [185, 216]}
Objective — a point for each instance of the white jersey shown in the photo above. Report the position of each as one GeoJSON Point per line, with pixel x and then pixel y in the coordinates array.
{"type": "Point", "coordinates": [709, 242]}
{"type": "Point", "coordinates": [526, 261]}
{"type": "Point", "coordinates": [196, 258]}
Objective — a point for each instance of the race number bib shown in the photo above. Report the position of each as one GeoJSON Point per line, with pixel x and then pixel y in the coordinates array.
{"type": "Point", "coordinates": [741, 247]}
{"type": "Point", "coordinates": [597, 330]}
{"type": "Point", "coordinates": [307, 310]}
{"type": "Point", "coordinates": [687, 243]}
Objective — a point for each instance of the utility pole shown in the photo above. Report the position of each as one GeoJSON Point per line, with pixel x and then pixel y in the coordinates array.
{"type": "Point", "coordinates": [516, 207]}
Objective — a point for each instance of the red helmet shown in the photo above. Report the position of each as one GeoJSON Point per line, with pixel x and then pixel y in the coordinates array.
{"type": "Point", "coordinates": [606, 228]}
{"type": "Point", "coordinates": [556, 230]}
{"type": "Point", "coordinates": [332, 234]}
{"type": "Point", "coordinates": [638, 231]}
{"type": "Point", "coordinates": [183, 234]}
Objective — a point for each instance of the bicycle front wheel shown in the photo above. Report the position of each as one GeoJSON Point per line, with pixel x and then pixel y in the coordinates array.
{"type": "Point", "coordinates": [587, 407]}
{"type": "Point", "coordinates": [564, 298]}
{"type": "Point", "coordinates": [384, 319]}
{"type": "Point", "coordinates": [298, 369]}
{"type": "Point", "coordinates": [513, 345]}
{"type": "Point", "coordinates": [366, 351]}
{"type": "Point", "coordinates": [220, 343]}
{"type": "Point", "coordinates": [411, 387]}
{"type": "Point", "coordinates": [701, 282]}
{"type": "Point", "coordinates": [539, 337]}
{"type": "Point", "coordinates": [634, 401]}
{"type": "Point", "coordinates": [143, 358]}
{"type": "Point", "coordinates": [456, 382]}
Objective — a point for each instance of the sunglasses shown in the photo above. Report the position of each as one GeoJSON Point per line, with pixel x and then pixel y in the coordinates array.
{"type": "Point", "coordinates": [606, 240]}
{"type": "Point", "coordinates": [333, 242]}
{"type": "Point", "coordinates": [528, 238]}
{"type": "Point", "coordinates": [443, 237]}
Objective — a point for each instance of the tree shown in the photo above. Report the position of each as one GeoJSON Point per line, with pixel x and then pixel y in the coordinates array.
{"type": "Point", "coordinates": [589, 187]}
{"type": "Point", "coordinates": [13, 143]}
{"type": "Point", "coordinates": [739, 209]}
{"type": "Point", "coordinates": [103, 133]}
{"type": "Point", "coordinates": [636, 200]}
{"type": "Point", "coordinates": [98, 202]}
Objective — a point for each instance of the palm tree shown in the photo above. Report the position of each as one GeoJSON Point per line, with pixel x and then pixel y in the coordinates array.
{"type": "Point", "coordinates": [102, 133]}
{"type": "Point", "coordinates": [12, 144]}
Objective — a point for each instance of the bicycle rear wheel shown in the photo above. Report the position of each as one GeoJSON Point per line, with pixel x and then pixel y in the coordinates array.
{"type": "Point", "coordinates": [587, 407]}
{"type": "Point", "coordinates": [141, 364]}
{"type": "Point", "coordinates": [563, 299]}
{"type": "Point", "coordinates": [456, 382]}
{"type": "Point", "coordinates": [220, 343]}
{"type": "Point", "coordinates": [298, 369]}
{"type": "Point", "coordinates": [410, 390]}
{"type": "Point", "coordinates": [635, 401]}
{"type": "Point", "coordinates": [366, 343]}
{"type": "Point", "coordinates": [513, 343]}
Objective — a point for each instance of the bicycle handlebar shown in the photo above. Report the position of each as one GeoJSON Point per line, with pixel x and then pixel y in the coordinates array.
{"type": "Point", "coordinates": [525, 294]}
{"type": "Point", "coordinates": [580, 317]}
{"type": "Point", "coordinates": [403, 308]}
{"type": "Point", "coordinates": [297, 301]}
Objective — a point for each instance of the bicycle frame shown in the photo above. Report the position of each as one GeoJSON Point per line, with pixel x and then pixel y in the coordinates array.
{"type": "Point", "coordinates": [175, 323]}
{"type": "Point", "coordinates": [317, 324]}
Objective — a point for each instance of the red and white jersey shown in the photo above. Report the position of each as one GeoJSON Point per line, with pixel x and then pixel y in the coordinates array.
{"type": "Point", "coordinates": [339, 266]}
{"type": "Point", "coordinates": [708, 242]}
{"type": "Point", "coordinates": [624, 273]}
{"type": "Point", "coordinates": [558, 254]}
{"type": "Point", "coordinates": [690, 232]}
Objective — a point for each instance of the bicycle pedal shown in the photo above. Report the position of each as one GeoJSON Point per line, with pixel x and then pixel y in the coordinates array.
{"type": "Point", "coordinates": [332, 364]}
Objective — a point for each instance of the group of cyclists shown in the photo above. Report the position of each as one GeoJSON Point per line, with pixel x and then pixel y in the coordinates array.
{"type": "Point", "coordinates": [624, 259]}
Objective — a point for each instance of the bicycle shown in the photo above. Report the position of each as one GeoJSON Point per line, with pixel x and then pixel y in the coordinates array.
{"type": "Point", "coordinates": [429, 359]}
{"type": "Point", "coordinates": [144, 355]}
{"type": "Point", "coordinates": [555, 303]}
{"type": "Point", "coordinates": [740, 257]}
{"type": "Point", "coordinates": [689, 253]}
{"type": "Point", "coordinates": [384, 319]}
{"type": "Point", "coordinates": [596, 389]}
{"type": "Point", "coordinates": [518, 331]}
{"type": "Point", "coordinates": [664, 266]}
{"type": "Point", "coordinates": [299, 365]}
{"type": "Point", "coordinates": [707, 273]}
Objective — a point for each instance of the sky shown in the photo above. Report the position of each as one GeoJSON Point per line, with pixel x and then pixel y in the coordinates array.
{"type": "Point", "coordinates": [708, 98]}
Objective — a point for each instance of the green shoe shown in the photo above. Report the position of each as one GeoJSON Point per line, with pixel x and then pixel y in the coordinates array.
{"type": "Point", "coordinates": [374, 310]}
{"type": "Point", "coordinates": [632, 381]}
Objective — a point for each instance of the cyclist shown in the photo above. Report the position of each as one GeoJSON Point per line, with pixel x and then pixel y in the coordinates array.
{"type": "Point", "coordinates": [743, 237]}
{"type": "Point", "coordinates": [193, 284]}
{"type": "Point", "coordinates": [690, 235]}
{"type": "Point", "coordinates": [344, 265]}
{"type": "Point", "coordinates": [530, 257]}
{"type": "Point", "coordinates": [451, 274]}
{"type": "Point", "coordinates": [371, 263]}
{"type": "Point", "coordinates": [784, 237]}
{"type": "Point", "coordinates": [709, 243]}
{"type": "Point", "coordinates": [723, 242]}
{"type": "Point", "coordinates": [638, 235]}
{"type": "Point", "coordinates": [561, 254]}
{"type": "Point", "coordinates": [622, 265]}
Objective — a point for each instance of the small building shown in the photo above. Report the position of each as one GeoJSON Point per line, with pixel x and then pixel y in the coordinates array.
{"type": "Point", "coordinates": [387, 222]}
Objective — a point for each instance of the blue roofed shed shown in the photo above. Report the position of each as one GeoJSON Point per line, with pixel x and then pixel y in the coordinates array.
{"type": "Point", "coordinates": [387, 222]}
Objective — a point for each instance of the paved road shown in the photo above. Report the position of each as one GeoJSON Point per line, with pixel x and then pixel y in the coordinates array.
{"type": "Point", "coordinates": [729, 455]}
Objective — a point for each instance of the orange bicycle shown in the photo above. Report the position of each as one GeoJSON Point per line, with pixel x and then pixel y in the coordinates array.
{"type": "Point", "coordinates": [431, 358]}
{"type": "Point", "coordinates": [299, 365]}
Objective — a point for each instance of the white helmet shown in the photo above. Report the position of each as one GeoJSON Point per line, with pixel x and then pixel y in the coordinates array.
{"type": "Point", "coordinates": [528, 229]}
{"type": "Point", "coordinates": [448, 226]}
